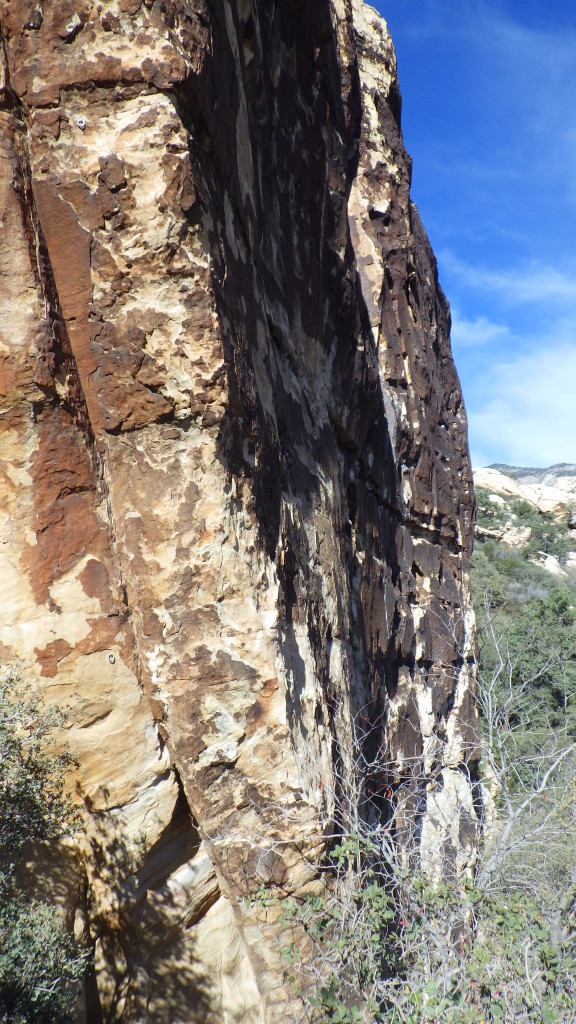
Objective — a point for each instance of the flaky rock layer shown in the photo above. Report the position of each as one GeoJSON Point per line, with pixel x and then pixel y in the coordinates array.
{"type": "Point", "coordinates": [235, 480]}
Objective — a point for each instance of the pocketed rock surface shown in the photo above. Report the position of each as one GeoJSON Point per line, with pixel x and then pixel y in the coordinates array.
{"type": "Point", "coordinates": [237, 503]}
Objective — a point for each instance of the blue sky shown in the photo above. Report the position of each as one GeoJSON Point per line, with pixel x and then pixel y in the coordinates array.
{"type": "Point", "coordinates": [489, 117]}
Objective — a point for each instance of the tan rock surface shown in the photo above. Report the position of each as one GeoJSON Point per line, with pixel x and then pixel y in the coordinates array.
{"type": "Point", "coordinates": [556, 500]}
{"type": "Point", "coordinates": [237, 501]}
{"type": "Point", "coordinates": [512, 536]}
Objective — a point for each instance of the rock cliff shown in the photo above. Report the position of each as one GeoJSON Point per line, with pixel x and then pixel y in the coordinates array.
{"type": "Point", "coordinates": [236, 495]}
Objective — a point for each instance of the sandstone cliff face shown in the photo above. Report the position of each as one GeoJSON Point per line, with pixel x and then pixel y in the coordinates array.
{"type": "Point", "coordinates": [237, 502]}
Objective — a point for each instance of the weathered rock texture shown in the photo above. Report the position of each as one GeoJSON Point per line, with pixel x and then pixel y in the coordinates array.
{"type": "Point", "coordinates": [551, 492]}
{"type": "Point", "coordinates": [237, 502]}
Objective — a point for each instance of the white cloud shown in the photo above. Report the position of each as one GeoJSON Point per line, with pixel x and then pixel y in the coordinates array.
{"type": "Point", "coordinates": [518, 373]}
{"type": "Point", "coordinates": [475, 333]}
{"type": "Point", "coordinates": [522, 411]}
{"type": "Point", "coordinates": [529, 79]}
{"type": "Point", "coordinates": [527, 283]}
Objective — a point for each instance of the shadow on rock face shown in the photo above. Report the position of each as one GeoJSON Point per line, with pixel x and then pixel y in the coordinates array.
{"type": "Point", "coordinates": [145, 963]}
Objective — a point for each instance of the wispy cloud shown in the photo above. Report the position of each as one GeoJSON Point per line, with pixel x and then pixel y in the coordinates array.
{"type": "Point", "coordinates": [527, 283]}
{"type": "Point", "coordinates": [515, 87]}
{"type": "Point", "coordinates": [490, 119]}
{"type": "Point", "coordinates": [521, 407]}
{"type": "Point", "coordinates": [518, 371]}
{"type": "Point", "coordinates": [475, 333]}
{"type": "Point", "coordinates": [527, 416]}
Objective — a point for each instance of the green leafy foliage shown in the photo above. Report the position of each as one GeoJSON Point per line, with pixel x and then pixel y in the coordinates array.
{"type": "Point", "coordinates": [40, 963]}
{"type": "Point", "coordinates": [522, 607]}
{"type": "Point", "coordinates": [547, 535]}
{"type": "Point", "coordinates": [418, 952]}
{"type": "Point", "coordinates": [32, 778]}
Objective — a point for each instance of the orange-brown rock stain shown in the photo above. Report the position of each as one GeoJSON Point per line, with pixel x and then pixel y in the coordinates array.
{"type": "Point", "coordinates": [50, 656]}
{"type": "Point", "coordinates": [258, 714]}
{"type": "Point", "coordinates": [64, 498]}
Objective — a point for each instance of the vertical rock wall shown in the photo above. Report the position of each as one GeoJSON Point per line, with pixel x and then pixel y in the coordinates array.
{"type": "Point", "coordinates": [236, 495]}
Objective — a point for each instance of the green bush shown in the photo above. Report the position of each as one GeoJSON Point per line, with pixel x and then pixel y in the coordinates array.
{"type": "Point", "coordinates": [549, 536]}
{"type": "Point", "coordinates": [32, 778]}
{"type": "Point", "coordinates": [40, 963]}
{"type": "Point", "coordinates": [390, 947]}
{"type": "Point", "coordinates": [532, 613]}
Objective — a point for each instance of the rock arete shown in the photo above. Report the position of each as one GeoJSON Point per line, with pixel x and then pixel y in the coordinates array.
{"type": "Point", "coordinates": [237, 504]}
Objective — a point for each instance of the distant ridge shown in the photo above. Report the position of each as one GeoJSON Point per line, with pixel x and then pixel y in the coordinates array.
{"type": "Point", "coordinates": [535, 475]}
